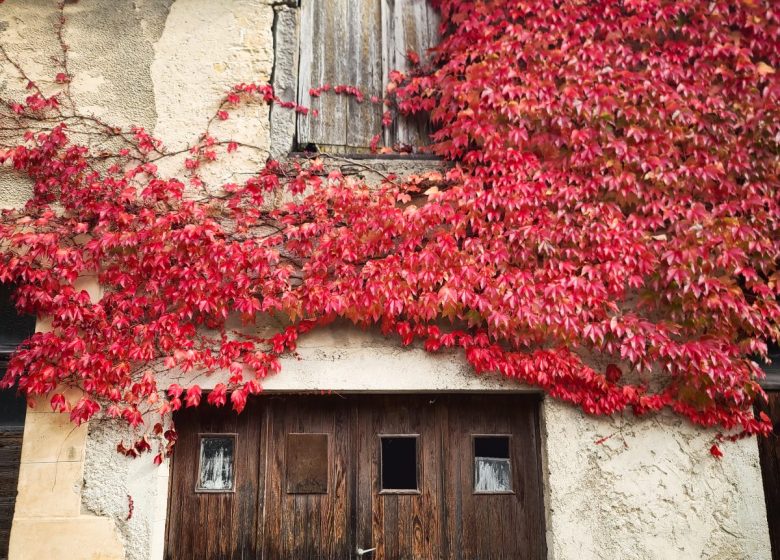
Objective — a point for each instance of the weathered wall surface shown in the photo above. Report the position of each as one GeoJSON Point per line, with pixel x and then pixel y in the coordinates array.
{"type": "Point", "coordinates": [650, 490]}
{"type": "Point", "coordinates": [48, 520]}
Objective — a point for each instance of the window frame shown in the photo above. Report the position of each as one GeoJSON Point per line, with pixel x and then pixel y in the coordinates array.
{"type": "Point", "coordinates": [418, 467]}
{"type": "Point", "coordinates": [201, 436]}
{"type": "Point", "coordinates": [772, 380]}
{"type": "Point", "coordinates": [476, 492]}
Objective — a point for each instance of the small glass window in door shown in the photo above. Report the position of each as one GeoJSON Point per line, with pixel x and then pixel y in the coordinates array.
{"type": "Point", "coordinates": [216, 466]}
{"type": "Point", "coordinates": [492, 465]}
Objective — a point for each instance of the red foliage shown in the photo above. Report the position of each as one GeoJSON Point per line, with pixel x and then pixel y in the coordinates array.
{"type": "Point", "coordinates": [613, 191]}
{"type": "Point", "coordinates": [716, 452]}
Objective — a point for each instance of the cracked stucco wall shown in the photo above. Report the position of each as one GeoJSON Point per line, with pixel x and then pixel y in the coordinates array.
{"type": "Point", "coordinates": [650, 490]}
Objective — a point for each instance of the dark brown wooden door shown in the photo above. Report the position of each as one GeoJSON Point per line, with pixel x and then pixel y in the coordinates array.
{"type": "Point", "coordinates": [308, 495]}
{"type": "Point", "coordinates": [204, 521]}
{"type": "Point", "coordinates": [769, 452]}
{"type": "Point", "coordinates": [400, 522]}
{"type": "Point", "coordinates": [13, 330]}
{"type": "Point", "coordinates": [493, 523]}
{"type": "Point", "coordinates": [12, 410]}
{"type": "Point", "coordinates": [392, 477]}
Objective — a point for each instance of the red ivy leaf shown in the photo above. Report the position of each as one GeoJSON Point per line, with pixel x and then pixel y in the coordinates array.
{"type": "Point", "coordinates": [218, 395]}
{"type": "Point", "coordinates": [716, 452]}
{"type": "Point", "coordinates": [193, 396]}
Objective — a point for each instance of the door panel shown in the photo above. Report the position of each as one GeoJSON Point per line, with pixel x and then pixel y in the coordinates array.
{"type": "Point", "coordinates": [501, 525]}
{"type": "Point", "coordinates": [309, 525]}
{"type": "Point", "coordinates": [299, 497]}
{"type": "Point", "coordinates": [10, 456]}
{"type": "Point", "coordinates": [215, 525]}
{"type": "Point", "coordinates": [399, 524]}
{"type": "Point", "coordinates": [13, 330]}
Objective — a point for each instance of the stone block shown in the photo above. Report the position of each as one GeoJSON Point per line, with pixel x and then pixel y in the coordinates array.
{"type": "Point", "coordinates": [51, 437]}
{"type": "Point", "coordinates": [77, 538]}
{"type": "Point", "coordinates": [49, 489]}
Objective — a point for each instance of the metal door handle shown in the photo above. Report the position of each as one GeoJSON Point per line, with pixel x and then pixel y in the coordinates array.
{"type": "Point", "coordinates": [362, 551]}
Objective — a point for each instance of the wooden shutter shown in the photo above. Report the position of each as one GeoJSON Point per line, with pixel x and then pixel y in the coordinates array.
{"type": "Point", "coordinates": [357, 43]}
{"type": "Point", "coordinates": [407, 25]}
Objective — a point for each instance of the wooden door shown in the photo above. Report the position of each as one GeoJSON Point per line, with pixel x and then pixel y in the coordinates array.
{"type": "Point", "coordinates": [12, 412]}
{"type": "Point", "coordinates": [502, 518]}
{"type": "Point", "coordinates": [13, 330]}
{"type": "Point", "coordinates": [402, 519]}
{"type": "Point", "coordinates": [378, 477]}
{"type": "Point", "coordinates": [308, 495]}
{"type": "Point", "coordinates": [213, 512]}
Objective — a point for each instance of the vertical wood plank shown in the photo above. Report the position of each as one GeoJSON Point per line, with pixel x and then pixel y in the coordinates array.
{"type": "Point", "coordinates": [10, 457]}
{"type": "Point", "coordinates": [273, 546]}
{"type": "Point", "coordinates": [407, 25]}
{"type": "Point", "coordinates": [428, 543]}
{"type": "Point", "coordinates": [769, 453]}
{"type": "Point", "coordinates": [286, 503]}
{"type": "Point", "coordinates": [446, 492]}
{"type": "Point", "coordinates": [364, 119]}
{"type": "Point", "coordinates": [263, 418]}
{"type": "Point", "coordinates": [344, 459]}
{"type": "Point", "coordinates": [378, 503]}
{"type": "Point", "coordinates": [324, 59]}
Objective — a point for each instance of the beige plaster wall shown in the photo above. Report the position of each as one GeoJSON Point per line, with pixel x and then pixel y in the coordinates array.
{"type": "Point", "coordinates": [48, 520]}
{"type": "Point", "coordinates": [649, 491]}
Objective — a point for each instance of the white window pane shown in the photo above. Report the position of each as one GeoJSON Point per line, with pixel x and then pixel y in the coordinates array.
{"type": "Point", "coordinates": [216, 463]}
{"type": "Point", "coordinates": [492, 475]}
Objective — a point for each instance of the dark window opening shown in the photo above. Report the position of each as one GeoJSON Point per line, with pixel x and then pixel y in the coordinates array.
{"type": "Point", "coordinates": [307, 464]}
{"type": "Point", "coordinates": [491, 446]}
{"type": "Point", "coordinates": [12, 408]}
{"type": "Point", "coordinates": [772, 369]}
{"type": "Point", "coordinates": [216, 472]}
{"type": "Point", "coordinates": [492, 465]}
{"type": "Point", "coordinates": [14, 328]}
{"type": "Point", "coordinates": [399, 463]}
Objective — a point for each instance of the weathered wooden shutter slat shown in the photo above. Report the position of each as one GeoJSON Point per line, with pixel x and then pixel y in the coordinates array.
{"type": "Point", "coordinates": [407, 25]}
{"type": "Point", "coordinates": [357, 43]}
{"type": "Point", "coordinates": [365, 62]}
{"type": "Point", "coordinates": [324, 59]}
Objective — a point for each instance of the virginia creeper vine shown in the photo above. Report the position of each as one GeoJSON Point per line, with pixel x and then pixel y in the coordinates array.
{"type": "Point", "coordinates": [610, 189]}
